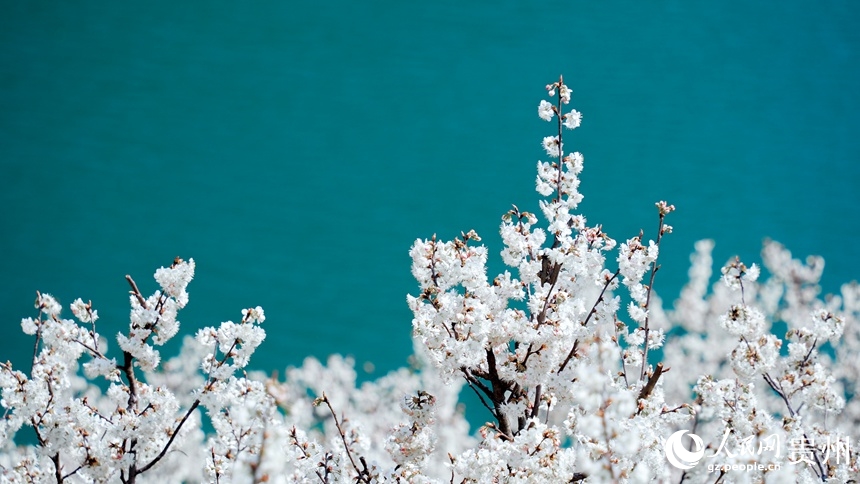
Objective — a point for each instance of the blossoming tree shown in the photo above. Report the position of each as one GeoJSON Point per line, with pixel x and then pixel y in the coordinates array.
{"type": "Point", "coordinates": [575, 388]}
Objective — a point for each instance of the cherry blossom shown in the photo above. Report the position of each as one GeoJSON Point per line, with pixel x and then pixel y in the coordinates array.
{"type": "Point", "coordinates": [581, 372]}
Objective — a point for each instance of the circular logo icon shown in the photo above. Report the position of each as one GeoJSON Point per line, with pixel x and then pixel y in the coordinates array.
{"type": "Point", "coordinates": [677, 453]}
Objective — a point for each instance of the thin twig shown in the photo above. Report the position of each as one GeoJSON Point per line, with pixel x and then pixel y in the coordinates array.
{"type": "Point", "coordinates": [70, 474]}
{"type": "Point", "coordinates": [362, 476]}
{"type": "Point", "coordinates": [588, 318]}
{"type": "Point", "coordinates": [654, 269]}
{"type": "Point", "coordinates": [777, 387]}
{"type": "Point", "coordinates": [39, 323]}
{"type": "Point", "coordinates": [472, 381]}
{"type": "Point", "coordinates": [172, 437]}
{"type": "Point", "coordinates": [560, 150]}
{"type": "Point", "coordinates": [135, 291]}
{"type": "Point", "coordinates": [215, 467]}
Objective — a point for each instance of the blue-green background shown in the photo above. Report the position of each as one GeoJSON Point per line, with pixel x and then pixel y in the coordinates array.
{"type": "Point", "coordinates": [297, 149]}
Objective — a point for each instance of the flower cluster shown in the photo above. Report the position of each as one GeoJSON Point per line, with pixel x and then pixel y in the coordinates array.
{"type": "Point", "coordinates": [130, 425]}
{"type": "Point", "coordinates": [575, 389]}
{"type": "Point", "coordinates": [545, 349]}
{"type": "Point", "coordinates": [756, 384]}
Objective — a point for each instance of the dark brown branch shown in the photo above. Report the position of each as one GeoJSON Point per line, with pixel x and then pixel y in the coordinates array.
{"type": "Point", "coordinates": [128, 369]}
{"type": "Point", "coordinates": [568, 357]}
{"type": "Point", "coordinates": [58, 472]}
{"type": "Point", "coordinates": [135, 291]}
{"type": "Point", "coordinates": [549, 273]}
{"type": "Point", "coordinates": [588, 318]}
{"type": "Point", "coordinates": [70, 474]}
{"type": "Point", "coordinates": [474, 384]}
{"type": "Point", "coordinates": [654, 269]}
{"type": "Point", "coordinates": [362, 475]}
{"type": "Point", "coordinates": [172, 437]}
{"type": "Point", "coordinates": [93, 351]}
{"type": "Point", "coordinates": [560, 130]}
{"type": "Point", "coordinates": [652, 382]}
{"type": "Point", "coordinates": [522, 366]}
{"type": "Point", "coordinates": [536, 406]}
{"type": "Point", "coordinates": [214, 466]}
{"type": "Point", "coordinates": [294, 435]}
{"type": "Point", "coordinates": [779, 391]}
{"type": "Point", "coordinates": [499, 388]}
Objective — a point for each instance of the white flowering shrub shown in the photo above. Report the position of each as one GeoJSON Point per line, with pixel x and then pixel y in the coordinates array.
{"type": "Point", "coordinates": [569, 351]}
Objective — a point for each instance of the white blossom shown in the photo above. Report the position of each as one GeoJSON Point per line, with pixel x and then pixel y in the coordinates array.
{"type": "Point", "coordinates": [84, 312]}
{"type": "Point", "coordinates": [570, 389]}
{"type": "Point", "coordinates": [48, 305]}
{"type": "Point", "coordinates": [546, 110]}
{"type": "Point", "coordinates": [552, 145]}
{"type": "Point", "coordinates": [573, 119]}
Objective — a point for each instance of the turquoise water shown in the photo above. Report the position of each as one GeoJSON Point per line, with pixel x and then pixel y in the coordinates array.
{"type": "Point", "coordinates": [297, 150]}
